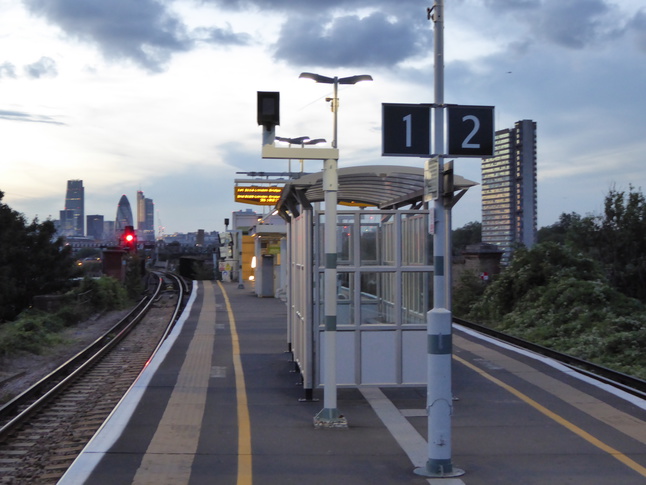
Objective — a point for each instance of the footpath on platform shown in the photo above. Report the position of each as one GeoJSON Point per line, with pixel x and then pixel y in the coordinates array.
{"type": "Point", "coordinates": [221, 404]}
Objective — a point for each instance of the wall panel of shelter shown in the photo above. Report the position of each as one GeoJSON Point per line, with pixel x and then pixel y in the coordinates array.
{"type": "Point", "coordinates": [383, 296]}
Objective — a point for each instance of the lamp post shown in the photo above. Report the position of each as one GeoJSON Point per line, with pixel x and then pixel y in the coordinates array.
{"type": "Point", "coordinates": [329, 416]}
{"type": "Point", "coordinates": [439, 397]}
{"type": "Point", "coordinates": [302, 141]}
{"type": "Point", "coordinates": [335, 81]}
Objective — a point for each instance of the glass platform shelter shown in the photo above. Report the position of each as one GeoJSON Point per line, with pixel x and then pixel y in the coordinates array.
{"type": "Point", "coordinates": [384, 275]}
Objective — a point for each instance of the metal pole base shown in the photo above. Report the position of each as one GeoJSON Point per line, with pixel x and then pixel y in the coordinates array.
{"type": "Point", "coordinates": [330, 418]}
{"type": "Point", "coordinates": [240, 286]}
{"type": "Point", "coordinates": [435, 469]}
{"type": "Point", "coordinates": [309, 396]}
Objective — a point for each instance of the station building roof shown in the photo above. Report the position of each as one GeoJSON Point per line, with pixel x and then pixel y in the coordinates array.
{"type": "Point", "coordinates": [381, 186]}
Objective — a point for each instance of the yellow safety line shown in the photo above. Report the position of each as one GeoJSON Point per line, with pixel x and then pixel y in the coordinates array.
{"type": "Point", "coordinates": [562, 421]}
{"type": "Point", "coordinates": [244, 423]}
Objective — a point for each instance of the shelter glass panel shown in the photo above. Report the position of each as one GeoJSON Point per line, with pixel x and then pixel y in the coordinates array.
{"type": "Point", "coordinates": [416, 292]}
{"type": "Point", "coordinates": [345, 298]}
{"type": "Point", "coordinates": [344, 238]}
{"type": "Point", "coordinates": [414, 237]}
{"type": "Point", "coordinates": [377, 245]}
{"type": "Point", "coordinates": [378, 292]}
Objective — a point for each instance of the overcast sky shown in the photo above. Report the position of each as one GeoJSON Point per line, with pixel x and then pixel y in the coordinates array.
{"type": "Point", "coordinates": [160, 95]}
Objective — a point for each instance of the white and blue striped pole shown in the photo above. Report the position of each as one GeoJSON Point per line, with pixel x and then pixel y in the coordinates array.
{"type": "Point", "coordinates": [439, 398]}
{"type": "Point", "coordinates": [330, 416]}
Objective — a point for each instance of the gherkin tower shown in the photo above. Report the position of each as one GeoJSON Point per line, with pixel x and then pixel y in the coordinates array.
{"type": "Point", "coordinates": [124, 215]}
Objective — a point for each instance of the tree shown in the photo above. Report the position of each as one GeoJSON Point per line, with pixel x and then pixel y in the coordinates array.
{"type": "Point", "coordinates": [555, 296]}
{"type": "Point", "coordinates": [622, 237]}
{"type": "Point", "coordinates": [470, 233]}
{"type": "Point", "coordinates": [32, 261]}
{"type": "Point", "coordinates": [559, 231]}
{"type": "Point", "coordinates": [616, 239]}
{"type": "Point", "coordinates": [528, 274]}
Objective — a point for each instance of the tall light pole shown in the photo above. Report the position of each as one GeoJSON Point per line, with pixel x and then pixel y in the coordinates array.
{"type": "Point", "coordinates": [335, 81]}
{"type": "Point", "coordinates": [330, 416]}
{"type": "Point", "coordinates": [439, 396]}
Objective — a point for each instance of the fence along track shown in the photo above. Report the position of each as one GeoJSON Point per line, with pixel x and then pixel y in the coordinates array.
{"type": "Point", "coordinates": [627, 383]}
{"type": "Point", "coordinates": [49, 424]}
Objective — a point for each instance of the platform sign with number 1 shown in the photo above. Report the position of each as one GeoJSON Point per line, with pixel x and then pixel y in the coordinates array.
{"type": "Point", "coordinates": [406, 130]}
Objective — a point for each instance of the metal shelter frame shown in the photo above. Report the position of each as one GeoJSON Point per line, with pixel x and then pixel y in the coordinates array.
{"type": "Point", "coordinates": [382, 299]}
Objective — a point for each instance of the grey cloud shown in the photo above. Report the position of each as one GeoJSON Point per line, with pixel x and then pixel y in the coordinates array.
{"type": "Point", "coordinates": [575, 24]}
{"type": "Point", "coordinates": [44, 67]}
{"type": "Point", "coordinates": [506, 5]}
{"type": "Point", "coordinates": [27, 117]}
{"type": "Point", "coordinates": [222, 36]}
{"type": "Point", "coordinates": [291, 6]}
{"type": "Point", "coordinates": [578, 23]}
{"type": "Point", "coordinates": [7, 69]}
{"type": "Point", "coordinates": [637, 26]}
{"type": "Point", "coordinates": [144, 32]}
{"type": "Point", "coordinates": [141, 31]}
{"type": "Point", "coordinates": [347, 41]}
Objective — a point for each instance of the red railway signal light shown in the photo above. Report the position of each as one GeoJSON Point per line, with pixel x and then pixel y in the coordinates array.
{"type": "Point", "coordinates": [129, 239]}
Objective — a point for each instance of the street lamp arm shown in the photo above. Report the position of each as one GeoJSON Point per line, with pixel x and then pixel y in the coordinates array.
{"type": "Point", "coordinates": [293, 141]}
{"type": "Point", "coordinates": [315, 141]}
{"type": "Point", "coordinates": [355, 79]}
{"type": "Point", "coordinates": [317, 77]}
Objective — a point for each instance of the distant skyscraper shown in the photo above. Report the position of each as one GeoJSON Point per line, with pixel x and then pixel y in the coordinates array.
{"type": "Point", "coordinates": [149, 232]}
{"type": "Point", "coordinates": [66, 225]}
{"type": "Point", "coordinates": [141, 211]}
{"type": "Point", "coordinates": [509, 189]}
{"type": "Point", "coordinates": [95, 227]}
{"type": "Point", "coordinates": [75, 201]}
{"type": "Point", "coordinates": [124, 215]}
{"type": "Point", "coordinates": [108, 230]}
{"type": "Point", "coordinates": [145, 217]}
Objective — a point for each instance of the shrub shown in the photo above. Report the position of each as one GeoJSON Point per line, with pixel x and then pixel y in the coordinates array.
{"type": "Point", "coordinates": [34, 330]}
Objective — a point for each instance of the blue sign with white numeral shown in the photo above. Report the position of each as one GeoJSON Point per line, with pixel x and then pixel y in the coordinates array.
{"type": "Point", "coordinates": [406, 130]}
{"type": "Point", "coordinates": [470, 131]}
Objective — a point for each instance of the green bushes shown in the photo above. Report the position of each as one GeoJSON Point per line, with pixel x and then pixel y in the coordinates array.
{"type": "Point", "coordinates": [103, 293]}
{"type": "Point", "coordinates": [553, 296]}
{"type": "Point", "coordinates": [33, 331]}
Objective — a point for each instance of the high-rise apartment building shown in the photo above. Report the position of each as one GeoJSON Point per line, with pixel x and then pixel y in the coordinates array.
{"type": "Point", "coordinates": [509, 189]}
{"type": "Point", "coordinates": [75, 202]}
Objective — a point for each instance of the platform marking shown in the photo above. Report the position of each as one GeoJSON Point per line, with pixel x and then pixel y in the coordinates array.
{"type": "Point", "coordinates": [623, 422]}
{"type": "Point", "coordinates": [560, 420]}
{"type": "Point", "coordinates": [244, 422]}
{"type": "Point", "coordinates": [170, 454]}
{"type": "Point", "coordinates": [113, 427]}
{"type": "Point", "coordinates": [407, 437]}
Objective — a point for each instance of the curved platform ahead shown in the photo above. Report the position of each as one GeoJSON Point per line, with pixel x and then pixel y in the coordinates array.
{"type": "Point", "coordinates": [219, 404]}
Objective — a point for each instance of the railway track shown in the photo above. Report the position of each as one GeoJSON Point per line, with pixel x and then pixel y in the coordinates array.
{"type": "Point", "coordinates": [625, 382]}
{"type": "Point", "coordinates": [43, 429]}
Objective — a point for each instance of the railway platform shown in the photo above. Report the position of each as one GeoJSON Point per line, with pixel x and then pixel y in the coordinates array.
{"type": "Point", "coordinates": [220, 404]}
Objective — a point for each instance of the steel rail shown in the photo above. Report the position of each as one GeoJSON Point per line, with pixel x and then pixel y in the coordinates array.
{"type": "Point", "coordinates": [183, 290]}
{"type": "Point", "coordinates": [630, 384]}
{"type": "Point", "coordinates": [43, 391]}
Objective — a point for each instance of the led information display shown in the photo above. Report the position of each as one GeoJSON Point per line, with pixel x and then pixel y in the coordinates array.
{"type": "Point", "coordinates": [258, 194]}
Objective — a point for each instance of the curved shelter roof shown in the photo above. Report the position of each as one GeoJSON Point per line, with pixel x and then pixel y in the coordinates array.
{"type": "Point", "coordinates": [382, 186]}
